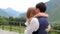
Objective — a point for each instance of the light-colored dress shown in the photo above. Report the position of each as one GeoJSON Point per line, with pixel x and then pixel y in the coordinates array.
{"type": "Point", "coordinates": [33, 26]}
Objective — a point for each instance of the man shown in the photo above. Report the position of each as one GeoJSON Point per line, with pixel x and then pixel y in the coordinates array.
{"type": "Point", "coordinates": [44, 27]}
{"type": "Point", "coordinates": [39, 25]}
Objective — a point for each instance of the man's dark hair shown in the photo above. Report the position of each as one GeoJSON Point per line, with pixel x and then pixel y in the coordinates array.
{"type": "Point", "coordinates": [41, 6]}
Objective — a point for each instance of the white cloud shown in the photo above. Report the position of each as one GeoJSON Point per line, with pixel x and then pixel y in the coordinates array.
{"type": "Point", "coordinates": [19, 5]}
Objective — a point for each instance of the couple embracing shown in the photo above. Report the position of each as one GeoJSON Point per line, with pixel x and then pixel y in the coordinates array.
{"type": "Point", "coordinates": [37, 20]}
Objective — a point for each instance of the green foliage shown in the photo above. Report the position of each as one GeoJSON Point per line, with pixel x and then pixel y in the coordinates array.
{"type": "Point", "coordinates": [22, 19]}
{"type": "Point", "coordinates": [54, 32]}
{"type": "Point", "coordinates": [13, 21]}
{"type": "Point", "coordinates": [3, 21]}
{"type": "Point", "coordinates": [11, 18]}
{"type": "Point", "coordinates": [56, 27]}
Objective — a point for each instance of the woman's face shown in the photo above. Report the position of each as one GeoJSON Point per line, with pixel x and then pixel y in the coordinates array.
{"type": "Point", "coordinates": [33, 13]}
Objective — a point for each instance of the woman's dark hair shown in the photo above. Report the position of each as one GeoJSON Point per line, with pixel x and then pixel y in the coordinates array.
{"type": "Point", "coordinates": [41, 6]}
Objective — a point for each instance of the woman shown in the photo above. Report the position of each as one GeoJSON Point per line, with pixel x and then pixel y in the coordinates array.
{"type": "Point", "coordinates": [32, 23]}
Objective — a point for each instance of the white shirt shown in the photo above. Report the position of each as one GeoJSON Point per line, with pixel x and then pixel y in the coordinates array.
{"type": "Point", "coordinates": [33, 26]}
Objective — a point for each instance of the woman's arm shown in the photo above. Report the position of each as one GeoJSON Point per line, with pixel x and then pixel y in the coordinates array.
{"type": "Point", "coordinates": [41, 14]}
{"type": "Point", "coordinates": [48, 29]}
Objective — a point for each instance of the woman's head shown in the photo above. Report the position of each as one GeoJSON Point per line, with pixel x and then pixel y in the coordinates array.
{"type": "Point", "coordinates": [30, 12]}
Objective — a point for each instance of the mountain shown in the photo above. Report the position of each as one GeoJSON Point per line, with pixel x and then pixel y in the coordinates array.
{"type": "Point", "coordinates": [12, 12]}
{"type": "Point", "coordinates": [3, 13]}
{"type": "Point", "coordinates": [53, 9]}
{"type": "Point", "coordinates": [22, 15]}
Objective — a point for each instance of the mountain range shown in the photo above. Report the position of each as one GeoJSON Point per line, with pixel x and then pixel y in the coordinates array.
{"type": "Point", "coordinates": [53, 9]}
{"type": "Point", "coordinates": [10, 12]}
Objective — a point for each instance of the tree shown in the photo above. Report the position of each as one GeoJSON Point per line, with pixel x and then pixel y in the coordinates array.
{"type": "Point", "coordinates": [3, 21]}
{"type": "Point", "coordinates": [11, 18]}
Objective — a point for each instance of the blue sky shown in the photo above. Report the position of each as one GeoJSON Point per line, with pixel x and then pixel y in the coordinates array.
{"type": "Point", "coordinates": [19, 5]}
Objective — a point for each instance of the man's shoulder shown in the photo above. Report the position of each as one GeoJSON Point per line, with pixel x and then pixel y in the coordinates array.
{"type": "Point", "coordinates": [42, 18]}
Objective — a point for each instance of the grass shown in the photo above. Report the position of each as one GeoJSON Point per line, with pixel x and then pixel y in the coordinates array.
{"type": "Point", "coordinates": [54, 32]}
{"type": "Point", "coordinates": [20, 29]}
{"type": "Point", "coordinates": [14, 28]}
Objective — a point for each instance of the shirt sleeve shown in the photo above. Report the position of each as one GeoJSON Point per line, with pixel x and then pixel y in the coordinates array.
{"type": "Point", "coordinates": [34, 25]}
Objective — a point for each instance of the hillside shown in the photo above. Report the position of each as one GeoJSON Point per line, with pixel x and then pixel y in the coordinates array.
{"type": "Point", "coordinates": [3, 13]}
{"type": "Point", "coordinates": [53, 9]}
{"type": "Point", "coordinates": [9, 12]}
{"type": "Point", "coordinates": [12, 12]}
{"type": "Point", "coordinates": [22, 15]}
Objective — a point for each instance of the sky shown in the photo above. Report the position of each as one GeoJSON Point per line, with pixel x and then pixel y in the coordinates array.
{"type": "Point", "coordinates": [19, 5]}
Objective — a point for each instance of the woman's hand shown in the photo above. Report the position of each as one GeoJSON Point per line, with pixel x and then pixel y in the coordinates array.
{"type": "Point", "coordinates": [48, 29]}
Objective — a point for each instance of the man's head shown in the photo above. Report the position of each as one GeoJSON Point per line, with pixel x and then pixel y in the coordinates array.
{"type": "Point", "coordinates": [40, 7]}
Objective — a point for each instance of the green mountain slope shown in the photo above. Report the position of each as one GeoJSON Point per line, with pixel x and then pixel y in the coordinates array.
{"type": "Point", "coordinates": [53, 9]}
